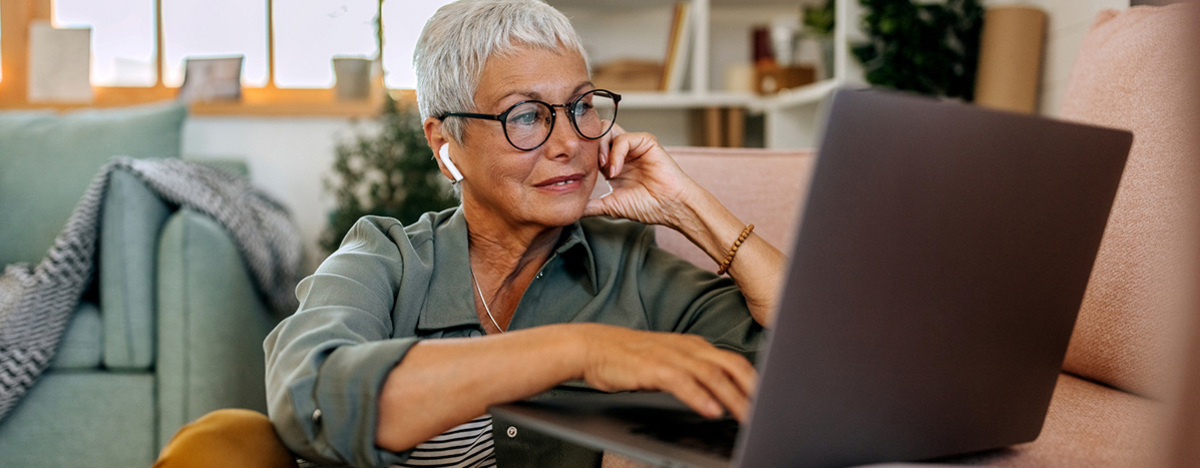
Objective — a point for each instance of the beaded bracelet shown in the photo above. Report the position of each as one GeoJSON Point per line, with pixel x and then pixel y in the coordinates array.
{"type": "Point", "coordinates": [733, 251]}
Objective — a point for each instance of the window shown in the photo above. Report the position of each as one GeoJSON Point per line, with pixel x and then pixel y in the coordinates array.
{"type": "Point", "coordinates": [285, 44]}
{"type": "Point", "coordinates": [215, 28]}
{"type": "Point", "coordinates": [310, 33]}
{"type": "Point", "coordinates": [122, 38]}
{"type": "Point", "coordinates": [402, 24]}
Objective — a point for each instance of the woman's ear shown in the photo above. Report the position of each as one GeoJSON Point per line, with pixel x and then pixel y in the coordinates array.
{"type": "Point", "coordinates": [441, 148]}
{"type": "Point", "coordinates": [433, 133]}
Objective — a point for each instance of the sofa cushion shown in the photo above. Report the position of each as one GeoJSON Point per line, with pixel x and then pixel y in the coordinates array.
{"type": "Point", "coordinates": [133, 220]}
{"type": "Point", "coordinates": [763, 187]}
{"type": "Point", "coordinates": [129, 230]}
{"type": "Point", "coordinates": [83, 342]}
{"type": "Point", "coordinates": [82, 418]}
{"type": "Point", "coordinates": [1130, 73]}
{"type": "Point", "coordinates": [1088, 426]}
{"type": "Point", "coordinates": [47, 161]}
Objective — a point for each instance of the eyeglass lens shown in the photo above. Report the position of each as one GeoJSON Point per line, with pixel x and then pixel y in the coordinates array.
{"type": "Point", "coordinates": [529, 124]}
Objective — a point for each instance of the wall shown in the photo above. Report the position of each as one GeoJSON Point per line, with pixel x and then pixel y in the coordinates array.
{"type": "Point", "coordinates": [287, 157]}
{"type": "Point", "coordinates": [1067, 23]}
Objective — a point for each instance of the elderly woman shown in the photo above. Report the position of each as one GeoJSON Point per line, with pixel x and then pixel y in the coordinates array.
{"type": "Point", "coordinates": [407, 334]}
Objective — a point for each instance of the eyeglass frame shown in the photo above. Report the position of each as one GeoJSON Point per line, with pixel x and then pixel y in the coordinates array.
{"type": "Point", "coordinates": [503, 116]}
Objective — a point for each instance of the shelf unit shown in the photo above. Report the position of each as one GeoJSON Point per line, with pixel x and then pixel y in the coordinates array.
{"type": "Point", "coordinates": [789, 118]}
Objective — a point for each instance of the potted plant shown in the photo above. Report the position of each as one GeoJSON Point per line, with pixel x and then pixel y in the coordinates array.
{"type": "Point", "coordinates": [926, 47]}
{"type": "Point", "coordinates": [386, 173]}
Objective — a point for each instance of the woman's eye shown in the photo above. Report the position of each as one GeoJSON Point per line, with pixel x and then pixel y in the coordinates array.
{"type": "Point", "coordinates": [524, 118]}
{"type": "Point", "coordinates": [583, 108]}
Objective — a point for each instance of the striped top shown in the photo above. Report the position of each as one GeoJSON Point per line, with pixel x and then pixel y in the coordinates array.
{"type": "Point", "coordinates": [467, 446]}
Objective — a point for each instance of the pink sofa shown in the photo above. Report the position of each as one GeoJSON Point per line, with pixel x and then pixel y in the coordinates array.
{"type": "Point", "coordinates": [1109, 408]}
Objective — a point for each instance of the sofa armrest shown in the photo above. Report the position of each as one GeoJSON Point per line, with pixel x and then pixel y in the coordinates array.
{"type": "Point", "coordinates": [129, 230]}
{"type": "Point", "coordinates": [763, 187]}
{"type": "Point", "coordinates": [211, 324]}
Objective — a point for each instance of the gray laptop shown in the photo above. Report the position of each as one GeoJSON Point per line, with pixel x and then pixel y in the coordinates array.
{"type": "Point", "coordinates": [941, 260]}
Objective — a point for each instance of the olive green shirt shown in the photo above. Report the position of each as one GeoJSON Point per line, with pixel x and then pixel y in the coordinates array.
{"type": "Point", "coordinates": [388, 287]}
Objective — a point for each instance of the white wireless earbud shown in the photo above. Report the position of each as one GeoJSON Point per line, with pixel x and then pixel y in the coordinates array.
{"type": "Point", "coordinates": [444, 154]}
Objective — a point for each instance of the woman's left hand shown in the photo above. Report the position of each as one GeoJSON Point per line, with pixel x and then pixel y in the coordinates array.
{"type": "Point", "coordinates": [647, 185]}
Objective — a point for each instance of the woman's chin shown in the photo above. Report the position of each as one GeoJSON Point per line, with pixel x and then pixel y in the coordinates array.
{"type": "Point", "coordinates": [564, 212]}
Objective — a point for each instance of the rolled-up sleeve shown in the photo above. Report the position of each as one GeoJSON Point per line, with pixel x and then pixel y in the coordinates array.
{"type": "Point", "coordinates": [327, 363]}
{"type": "Point", "coordinates": [684, 298]}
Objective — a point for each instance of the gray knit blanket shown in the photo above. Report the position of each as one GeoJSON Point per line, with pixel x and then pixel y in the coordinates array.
{"type": "Point", "coordinates": [36, 301]}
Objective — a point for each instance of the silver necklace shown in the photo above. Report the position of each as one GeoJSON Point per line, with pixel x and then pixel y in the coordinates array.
{"type": "Point", "coordinates": [484, 301]}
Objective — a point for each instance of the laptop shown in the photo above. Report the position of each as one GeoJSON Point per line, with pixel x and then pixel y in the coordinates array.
{"type": "Point", "coordinates": [933, 286]}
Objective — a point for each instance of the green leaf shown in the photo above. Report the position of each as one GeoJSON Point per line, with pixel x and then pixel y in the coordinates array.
{"type": "Point", "coordinates": [930, 48]}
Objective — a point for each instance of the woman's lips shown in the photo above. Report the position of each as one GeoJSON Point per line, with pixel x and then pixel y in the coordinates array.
{"type": "Point", "coordinates": [561, 183]}
{"type": "Point", "coordinates": [560, 180]}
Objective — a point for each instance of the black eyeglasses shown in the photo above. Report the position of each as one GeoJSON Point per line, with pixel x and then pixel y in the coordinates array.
{"type": "Point", "coordinates": [528, 124]}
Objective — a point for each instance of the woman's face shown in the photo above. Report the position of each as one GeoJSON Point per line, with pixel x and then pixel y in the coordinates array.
{"type": "Point", "coordinates": [550, 185]}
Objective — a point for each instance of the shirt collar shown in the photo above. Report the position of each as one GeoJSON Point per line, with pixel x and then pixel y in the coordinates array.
{"type": "Point", "coordinates": [575, 243]}
{"type": "Point", "coordinates": [450, 300]}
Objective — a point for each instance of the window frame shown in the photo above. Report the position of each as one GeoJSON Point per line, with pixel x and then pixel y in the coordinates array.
{"type": "Point", "coordinates": [268, 100]}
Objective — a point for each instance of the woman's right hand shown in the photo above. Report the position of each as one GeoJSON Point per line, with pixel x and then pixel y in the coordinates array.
{"type": "Point", "coordinates": [707, 379]}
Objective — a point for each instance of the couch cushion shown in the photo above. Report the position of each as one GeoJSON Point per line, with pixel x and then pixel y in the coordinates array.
{"type": "Point", "coordinates": [47, 161]}
{"type": "Point", "coordinates": [1088, 426]}
{"type": "Point", "coordinates": [763, 187]}
{"type": "Point", "coordinates": [83, 343]}
{"type": "Point", "coordinates": [1130, 74]}
{"type": "Point", "coordinates": [94, 419]}
{"type": "Point", "coordinates": [133, 219]}
{"type": "Point", "coordinates": [129, 230]}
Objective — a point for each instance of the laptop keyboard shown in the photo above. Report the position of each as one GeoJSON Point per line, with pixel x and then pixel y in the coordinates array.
{"type": "Point", "coordinates": [715, 437]}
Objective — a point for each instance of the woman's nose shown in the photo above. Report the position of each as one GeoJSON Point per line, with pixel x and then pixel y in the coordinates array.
{"type": "Point", "coordinates": [564, 140]}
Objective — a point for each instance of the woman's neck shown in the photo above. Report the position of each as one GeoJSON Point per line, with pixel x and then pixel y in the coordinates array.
{"type": "Point", "coordinates": [502, 254]}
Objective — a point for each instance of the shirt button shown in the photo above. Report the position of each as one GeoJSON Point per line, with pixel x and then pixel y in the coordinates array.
{"type": "Point", "coordinates": [474, 334]}
{"type": "Point", "coordinates": [512, 432]}
{"type": "Point", "coordinates": [316, 416]}
{"type": "Point", "coordinates": [539, 275]}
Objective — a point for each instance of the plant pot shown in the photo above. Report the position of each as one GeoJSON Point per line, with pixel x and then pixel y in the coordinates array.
{"type": "Point", "coordinates": [353, 78]}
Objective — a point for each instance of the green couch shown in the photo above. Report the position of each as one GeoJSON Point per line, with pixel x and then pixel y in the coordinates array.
{"type": "Point", "coordinates": [172, 326]}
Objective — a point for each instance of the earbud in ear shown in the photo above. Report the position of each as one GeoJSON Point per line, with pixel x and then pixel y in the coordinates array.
{"type": "Point", "coordinates": [444, 154]}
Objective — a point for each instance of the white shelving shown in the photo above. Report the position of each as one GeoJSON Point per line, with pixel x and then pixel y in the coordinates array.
{"type": "Point", "coordinates": [805, 95]}
{"type": "Point", "coordinates": [685, 100]}
{"type": "Point", "coordinates": [789, 117]}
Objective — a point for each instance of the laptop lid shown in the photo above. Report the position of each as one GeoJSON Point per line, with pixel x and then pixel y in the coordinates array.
{"type": "Point", "coordinates": [934, 283]}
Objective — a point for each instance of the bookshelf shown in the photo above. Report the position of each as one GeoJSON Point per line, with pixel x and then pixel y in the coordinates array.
{"type": "Point", "coordinates": [685, 100]}
{"type": "Point", "coordinates": [720, 36]}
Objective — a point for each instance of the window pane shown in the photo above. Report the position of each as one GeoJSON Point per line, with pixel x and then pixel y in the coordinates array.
{"type": "Point", "coordinates": [309, 33]}
{"type": "Point", "coordinates": [215, 28]}
{"type": "Point", "coordinates": [402, 23]}
{"type": "Point", "coordinates": [122, 38]}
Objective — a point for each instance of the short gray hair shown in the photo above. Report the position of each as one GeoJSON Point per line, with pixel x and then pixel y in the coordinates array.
{"type": "Point", "coordinates": [458, 39]}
